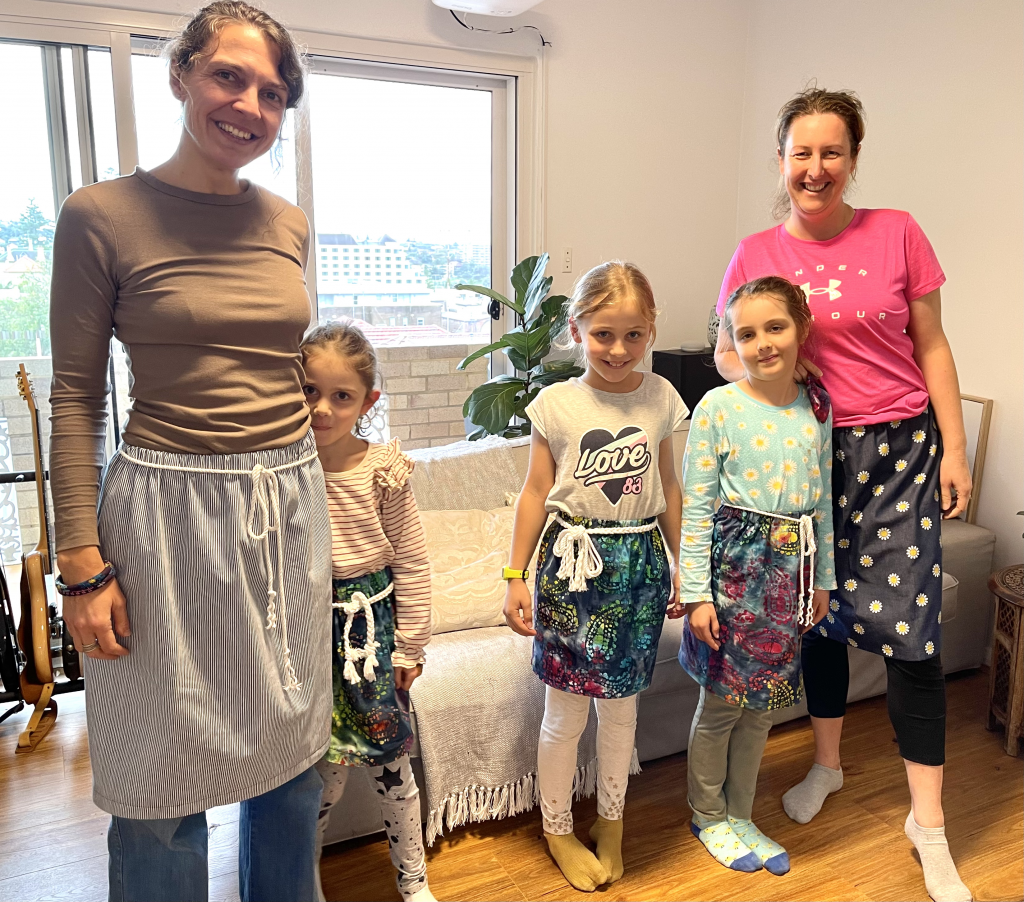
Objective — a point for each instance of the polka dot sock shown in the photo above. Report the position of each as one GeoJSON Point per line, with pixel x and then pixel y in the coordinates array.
{"type": "Point", "coordinates": [773, 857]}
{"type": "Point", "coordinates": [576, 862]}
{"type": "Point", "coordinates": [940, 875]}
{"type": "Point", "coordinates": [805, 799]}
{"type": "Point", "coordinates": [722, 842]}
{"type": "Point", "coordinates": [608, 836]}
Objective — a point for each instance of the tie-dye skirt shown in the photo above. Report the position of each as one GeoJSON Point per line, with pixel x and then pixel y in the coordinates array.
{"type": "Point", "coordinates": [755, 579]}
{"type": "Point", "coordinates": [370, 720]}
{"type": "Point", "coordinates": [602, 642]}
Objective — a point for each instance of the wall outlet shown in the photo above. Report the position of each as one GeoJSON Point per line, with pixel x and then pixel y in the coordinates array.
{"type": "Point", "coordinates": [566, 259]}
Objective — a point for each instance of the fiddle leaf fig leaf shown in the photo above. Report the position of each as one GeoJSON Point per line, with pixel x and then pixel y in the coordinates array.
{"type": "Point", "coordinates": [555, 371]}
{"type": "Point", "coordinates": [493, 404]}
{"type": "Point", "coordinates": [481, 352]}
{"type": "Point", "coordinates": [494, 295]}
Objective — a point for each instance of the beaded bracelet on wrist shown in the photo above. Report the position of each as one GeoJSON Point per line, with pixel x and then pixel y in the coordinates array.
{"type": "Point", "coordinates": [98, 581]}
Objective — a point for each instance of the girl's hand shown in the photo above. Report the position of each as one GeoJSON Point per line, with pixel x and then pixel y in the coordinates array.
{"type": "Point", "coordinates": [406, 676]}
{"type": "Point", "coordinates": [676, 608]}
{"type": "Point", "coordinates": [954, 477]}
{"type": "Point", "coordinates": [803, 367]}
{"type": "Point", "coordinates": [518, 608]}
{"type": "Point", "coordinates": [819, 608]}
{"type": "Point", "coordinates": [704, 624]}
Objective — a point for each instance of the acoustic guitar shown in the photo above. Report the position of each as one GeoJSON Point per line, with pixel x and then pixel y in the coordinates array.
{"type": "Point", "coordinates": [40, 621]}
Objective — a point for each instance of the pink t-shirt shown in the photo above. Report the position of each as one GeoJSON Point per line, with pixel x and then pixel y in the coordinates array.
{"type": "Point", "coordinates": [859, 286]}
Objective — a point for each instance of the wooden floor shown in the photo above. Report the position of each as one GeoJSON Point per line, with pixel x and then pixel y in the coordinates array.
{"type": "Point", "coordinates": [52, 838]}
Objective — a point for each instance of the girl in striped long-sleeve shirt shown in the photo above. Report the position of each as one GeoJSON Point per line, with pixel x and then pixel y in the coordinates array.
{"type": "Point", "coordinates": [381, 595]}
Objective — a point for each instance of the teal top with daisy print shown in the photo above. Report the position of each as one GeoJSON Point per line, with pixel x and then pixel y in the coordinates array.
{"type": "Point", "coordinates": [748, 454]}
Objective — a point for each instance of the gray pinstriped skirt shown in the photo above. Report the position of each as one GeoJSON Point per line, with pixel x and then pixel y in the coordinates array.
{"type": "Point", "coordinates": [198, 714]}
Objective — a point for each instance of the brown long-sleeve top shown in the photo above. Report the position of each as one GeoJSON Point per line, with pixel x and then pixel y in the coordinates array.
{"type": "Point", "coordinates": [207, 294]}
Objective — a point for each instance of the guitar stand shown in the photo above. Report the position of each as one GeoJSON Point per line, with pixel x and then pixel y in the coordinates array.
{"type": "Point", "coordinates": [14, 709]}
{"type": "Point", "coordinates": [40, 723]}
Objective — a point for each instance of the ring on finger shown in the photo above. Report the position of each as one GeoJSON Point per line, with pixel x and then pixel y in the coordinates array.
{"type": "Point", "coordinates": [92, 646]}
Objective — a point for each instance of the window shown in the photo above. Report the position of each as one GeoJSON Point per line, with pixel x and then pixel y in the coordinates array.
{"type": "Point", "coordinates": [411, 180]}
{"type": "Point", "coordinates": [63, 108]}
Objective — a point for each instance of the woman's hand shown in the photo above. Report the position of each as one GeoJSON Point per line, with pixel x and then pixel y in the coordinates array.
{"type": "Point", "coordinates": [819, 608]}
{"type": "Point", "coordinates": [803, 368]}
{"type": "Point", "coordinates": [406, 676]}
{"type": "Point", "coordinates": [518, 608]}
{"type": "Point", "coordinates": [954, 479]}
{"type": "Point", "coordinates": [704, 624]}
{"type": "Point", "coordinates": [99, 616]}
{"type": "Point", "coordinates": [676, 608]}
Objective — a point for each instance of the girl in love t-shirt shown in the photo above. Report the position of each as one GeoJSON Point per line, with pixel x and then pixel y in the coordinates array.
{"type": "Point", "coordinates": [859, 286]}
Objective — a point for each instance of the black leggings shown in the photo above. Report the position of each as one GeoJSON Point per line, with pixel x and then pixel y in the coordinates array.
{"type": "Point", "coordinates": [916, 694]}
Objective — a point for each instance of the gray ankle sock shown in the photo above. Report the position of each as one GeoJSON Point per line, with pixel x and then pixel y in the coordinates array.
{"type": "Point", "coordinates": [940, 876]}
{"type": "Point", "coordinates": [805, 799]}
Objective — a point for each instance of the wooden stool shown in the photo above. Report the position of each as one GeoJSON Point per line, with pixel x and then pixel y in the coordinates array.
{"type": "Point", "coordinates": [1006, 678]}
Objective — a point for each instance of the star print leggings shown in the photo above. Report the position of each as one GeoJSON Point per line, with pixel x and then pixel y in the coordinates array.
{"type": "Point", "coordinates": [399, 797]}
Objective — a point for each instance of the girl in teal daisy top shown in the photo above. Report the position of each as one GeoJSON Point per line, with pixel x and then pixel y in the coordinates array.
{"type": "Point", "coordinates": [756, 572]}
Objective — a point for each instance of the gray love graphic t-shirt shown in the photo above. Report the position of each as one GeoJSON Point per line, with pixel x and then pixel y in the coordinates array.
{"type": "Point", "coordinates": [605, 446]}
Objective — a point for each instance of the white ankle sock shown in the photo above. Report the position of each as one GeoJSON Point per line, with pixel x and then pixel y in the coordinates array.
{"type": "Point", "coordinates": [805, 799]}
{"type": "Point", "coordinates": [940, 874]}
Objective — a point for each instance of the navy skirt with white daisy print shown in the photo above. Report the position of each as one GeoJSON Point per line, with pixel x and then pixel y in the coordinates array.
{"type": "Point", "coordinates": [887, 517]}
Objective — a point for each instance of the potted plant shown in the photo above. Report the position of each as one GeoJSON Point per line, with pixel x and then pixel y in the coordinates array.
{"type": "Point", "coordinates": [498, 407]}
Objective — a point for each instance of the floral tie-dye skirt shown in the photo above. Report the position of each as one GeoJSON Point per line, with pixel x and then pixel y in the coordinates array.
{"type": "Point", "coordinates": [370, 721]}
{"type": "Point", "coordinates": [755, 580]}
{"type": "Point", "coordinates": [602, 642]}
{"type": "Point", "coordinates": [888, 517]}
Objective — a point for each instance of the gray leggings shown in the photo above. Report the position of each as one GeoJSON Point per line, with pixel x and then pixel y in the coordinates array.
{"type": "Point", "coordinates": [723, 757]}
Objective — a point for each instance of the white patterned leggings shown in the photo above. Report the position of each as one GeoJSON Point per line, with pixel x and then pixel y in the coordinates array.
{"type": "Point", "coordinates": [565, 719]}
{"type": "Point", "coordinates": [400, 805]}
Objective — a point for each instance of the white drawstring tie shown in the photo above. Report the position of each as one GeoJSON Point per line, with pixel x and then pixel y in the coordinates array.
{"type": "Point", "coordinates": [808, 549]}
{"type": "Point", "coordinates": [580, 558]}
{"type": "Point", "coordinates": [264, 518]}
{"type": "Point", "coordinates": [368, 653]}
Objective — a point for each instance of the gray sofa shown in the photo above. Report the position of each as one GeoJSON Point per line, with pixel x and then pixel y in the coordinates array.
{"type": "Point", "coordinates": [666, 707]}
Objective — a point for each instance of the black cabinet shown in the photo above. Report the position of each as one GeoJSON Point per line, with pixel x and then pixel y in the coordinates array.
{"type": "Point", "coordinates": [693, 373]}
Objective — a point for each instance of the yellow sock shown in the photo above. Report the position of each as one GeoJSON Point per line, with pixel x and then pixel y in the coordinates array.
{"type": "Point", "coordinates": [576, 862]}
{"type": "Point", "coordinates": [608, 836]}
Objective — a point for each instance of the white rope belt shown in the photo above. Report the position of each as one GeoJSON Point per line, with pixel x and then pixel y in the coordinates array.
{"type": "Point", "coordinates": [580, 559]}
{"type": "Point", "coordinates": [264, 517]}
{"type": "Point", "coordinates": [808, 548]}
{"type": "Point", "coordinates": [368, 653]}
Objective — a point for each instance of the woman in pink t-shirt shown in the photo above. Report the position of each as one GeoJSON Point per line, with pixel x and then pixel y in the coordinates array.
{"type": "Point", "coordinates": [872, 282]}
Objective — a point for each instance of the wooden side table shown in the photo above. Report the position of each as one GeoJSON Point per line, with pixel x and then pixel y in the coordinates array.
{"type": "Point", "coordinates": [1006, 678]}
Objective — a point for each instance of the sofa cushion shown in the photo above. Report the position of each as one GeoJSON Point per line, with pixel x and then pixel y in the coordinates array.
{"type": "Point", "coordinates": [468, 475]}
{"type": "Point", "coordinates": [467, 549]}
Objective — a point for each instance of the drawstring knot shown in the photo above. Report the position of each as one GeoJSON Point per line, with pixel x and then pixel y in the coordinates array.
{"type": "Point", "coordinates": [581, 560]}
{"type": "Point", "coordinates": [356, 604]}
{"type": "Point", "coordinates": [808, 548]}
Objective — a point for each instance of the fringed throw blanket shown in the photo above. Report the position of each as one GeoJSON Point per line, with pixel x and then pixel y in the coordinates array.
{"type": "Point", "coordinates": [478, 712]}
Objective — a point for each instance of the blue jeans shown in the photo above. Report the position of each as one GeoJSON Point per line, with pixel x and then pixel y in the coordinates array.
{"type": "Point", "coordinates": [166, 860]}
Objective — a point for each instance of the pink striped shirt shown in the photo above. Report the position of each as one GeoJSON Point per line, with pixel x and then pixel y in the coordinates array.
{"type": "Point", "coordinates": [375, 524]}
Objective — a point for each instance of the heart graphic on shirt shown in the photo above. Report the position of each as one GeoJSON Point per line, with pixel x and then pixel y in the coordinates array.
{"type": "Point", "coordinates": [614, 463]}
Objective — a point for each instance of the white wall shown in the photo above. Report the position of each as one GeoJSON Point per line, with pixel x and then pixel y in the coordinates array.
{"type": "Point", "coordinates": [942, 82]}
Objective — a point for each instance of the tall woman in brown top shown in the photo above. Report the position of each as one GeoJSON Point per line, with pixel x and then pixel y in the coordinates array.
{"type": "Point", "coordinates": [207, 656]}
